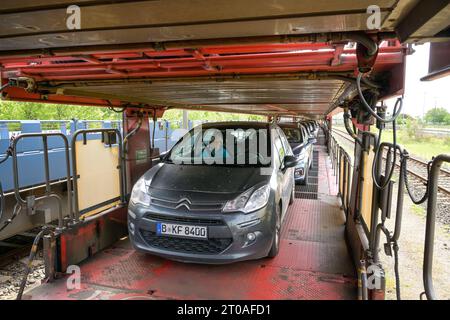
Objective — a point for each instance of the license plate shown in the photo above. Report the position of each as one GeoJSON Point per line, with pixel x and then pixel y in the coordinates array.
{"type": "Point", "coordinates": [181, 230]}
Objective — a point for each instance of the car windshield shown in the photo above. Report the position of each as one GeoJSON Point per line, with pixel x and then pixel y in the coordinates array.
{"type": "Point", "coordinates": [231, 146]}
{"type": "Point", "coordinates": [293, 135]}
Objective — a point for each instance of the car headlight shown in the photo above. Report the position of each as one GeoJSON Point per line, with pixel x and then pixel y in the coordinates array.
{"type": "Point", "coordinates": [139, 194]}
{"type": "Point", "coordinates": [249, 201]}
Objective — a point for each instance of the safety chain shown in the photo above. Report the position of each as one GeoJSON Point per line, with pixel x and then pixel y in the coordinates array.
{"type": "Point", "coordinates": [9, 150]}
{"type": "Point", "coordinates": [408, 187]}
{"type": "Point", "coordinates": [392, 243]}
{"type": "Point", "coordinates": [34, 248]}
{"type": "Point", "coordinates": [2, 200]}
{"type": "Point", "coordinates": [17, 209]}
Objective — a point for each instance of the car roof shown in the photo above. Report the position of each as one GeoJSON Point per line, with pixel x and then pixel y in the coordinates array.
{"type": "Point", "coordinates": [237, 125]}
{"type": "Point", "coordinates": [288, 125]}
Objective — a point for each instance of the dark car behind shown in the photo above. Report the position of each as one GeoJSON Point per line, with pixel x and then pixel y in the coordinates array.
{"type": "Point", "coordinates": [301, 143]}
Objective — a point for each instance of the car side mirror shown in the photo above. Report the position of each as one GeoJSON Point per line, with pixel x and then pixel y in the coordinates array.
{"type": "Point", "coordinates": [290, 161]}
{"type": "Point", "coordinates": [312, 140]}
{"type": "Point", "coordinates": [162, 155]}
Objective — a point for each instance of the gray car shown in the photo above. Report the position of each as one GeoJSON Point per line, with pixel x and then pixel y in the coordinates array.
{"type": "Point", "coordinates": [302, 146]}
{"type": "Point", "coordinates": [191, 209]}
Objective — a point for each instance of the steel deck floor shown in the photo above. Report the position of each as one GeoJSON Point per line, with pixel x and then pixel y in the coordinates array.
{"type": "Point", "coordinates": [313, 263]}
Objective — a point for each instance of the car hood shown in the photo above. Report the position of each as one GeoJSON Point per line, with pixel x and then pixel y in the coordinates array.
{"type": "Point", "coordinates": [204, 178]}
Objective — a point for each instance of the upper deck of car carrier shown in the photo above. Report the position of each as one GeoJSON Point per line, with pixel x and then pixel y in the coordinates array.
{"type": "Point", "coordinates": [285, 60]}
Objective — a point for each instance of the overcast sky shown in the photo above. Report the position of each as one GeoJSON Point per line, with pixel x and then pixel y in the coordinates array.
{"type": "Point", "coordinates": [422, 96]}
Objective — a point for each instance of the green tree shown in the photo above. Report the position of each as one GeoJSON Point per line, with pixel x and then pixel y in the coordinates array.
{"type": "Point", "coordinates": [413, 129]}
{"type": "Point", "coordinates": [437, 116]}
{"type": "Point", "coordinates": [13, 110]}
{"type": "Point", "coordinates": [447, 118]}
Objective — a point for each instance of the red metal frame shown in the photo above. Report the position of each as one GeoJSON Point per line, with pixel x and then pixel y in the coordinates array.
{"type": "Point", "coordinates": [187, 62]}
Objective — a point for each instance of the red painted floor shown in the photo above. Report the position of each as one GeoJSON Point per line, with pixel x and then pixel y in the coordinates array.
{"type": "Point", "coordinates": [313, 263]}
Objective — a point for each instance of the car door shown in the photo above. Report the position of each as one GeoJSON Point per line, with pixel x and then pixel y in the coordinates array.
{"type": "Point", "coordinates": [310, 151]}
{"type": "Point", "coordinates": [286, 174]}
{"type": "Point", "coordinates": [308, 146]}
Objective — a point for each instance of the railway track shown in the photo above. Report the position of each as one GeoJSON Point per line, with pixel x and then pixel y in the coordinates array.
{"type": "Point", "coordinates": [13, 260]}
{"type": "Point", "coordinates": [417, 169]}
{"type": "Point", "coordinates": [15, 247]}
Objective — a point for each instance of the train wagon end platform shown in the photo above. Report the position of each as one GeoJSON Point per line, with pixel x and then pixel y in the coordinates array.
{"type": "Point", "coordinates": [313, 262]}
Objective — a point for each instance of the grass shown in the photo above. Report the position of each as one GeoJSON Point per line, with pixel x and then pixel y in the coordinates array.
{"type": "Point", "coordinates": [418, 210]}
{"type": "Point", "coordinates": [423, 147]}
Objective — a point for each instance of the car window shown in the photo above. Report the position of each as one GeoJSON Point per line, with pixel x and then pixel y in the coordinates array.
{"type": "Point", "coordinates": [305, 130]}
{"type": "Point", "coordinates": [293, 135]}
{"type": "Point", "coordinates": [304, 133]}
{"type": "Point", "coordinates": [223, 146]}
{"type": "Point", "coordinates": [284, 142]}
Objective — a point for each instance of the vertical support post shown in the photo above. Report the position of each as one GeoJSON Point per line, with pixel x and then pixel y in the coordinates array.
{"type": "Point", "coordinates": [46, 165]}
{"type": "Point", "coordinates": [138, 149]}
{"type": "Point", "coordinates": [166, 134]}
{"type": "Point", "coordinates": [431, 224]}
{"type": "Point", "coordinates": [185, 120]}
{"type": "Point", "coordinates": [49, 249]}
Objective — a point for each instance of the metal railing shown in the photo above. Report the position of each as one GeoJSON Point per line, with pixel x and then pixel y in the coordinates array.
{"type": "Point", "coordinates": [342, 166]}
{"type": "Point", "coordinates": [431, 224]}
{"type": "Point", "coordinates": [31, 154]}
{"type": "Point", "coordinates": [121, 165]}
{"type": "Point", "coordinates": [29, 203]}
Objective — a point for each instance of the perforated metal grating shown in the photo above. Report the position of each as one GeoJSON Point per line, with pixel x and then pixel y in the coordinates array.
{"type": "Point", "coordinates": [309, 191]}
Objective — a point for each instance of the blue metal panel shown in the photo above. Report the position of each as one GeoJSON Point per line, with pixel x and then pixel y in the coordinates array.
{"type": "Point", "coordinates": [31, 169]}
{"type": "Point", "coordinates": [4, 138]}
{"type": "Point", "coordinates": [30, 144]}
{"type": "Point", "coordinates": [160, 135]}
{"type": "Point", "coordinates": [30, 155]}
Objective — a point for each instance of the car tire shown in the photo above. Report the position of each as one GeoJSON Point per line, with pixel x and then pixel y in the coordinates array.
{"type": "Point", "coordinates": [276, 238]}
{"type": "Point", "coordinates": [305, 181]}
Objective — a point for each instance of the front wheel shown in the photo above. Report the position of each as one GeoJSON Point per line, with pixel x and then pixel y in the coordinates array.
{"type": "Point", "coordinates": [276, 238]}
{"type": "Point", "coordinates": [291, 200]}
{"type": "Point", "coordinates": [305, 181]}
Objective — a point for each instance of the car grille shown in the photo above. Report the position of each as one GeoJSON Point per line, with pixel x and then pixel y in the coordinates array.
{"type": "Point", "coordinates": [196, 221]}
{"type": "Point", "coordinates": [186, 204]}
{"type": "Point", "coordinates": [209, 246]}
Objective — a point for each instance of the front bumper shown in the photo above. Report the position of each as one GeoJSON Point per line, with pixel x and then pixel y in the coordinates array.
{"type": "Point", "coordinates": [231, 233]}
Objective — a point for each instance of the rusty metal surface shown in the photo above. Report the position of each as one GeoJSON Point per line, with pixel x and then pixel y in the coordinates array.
{"type": "Point", "coordinates": [313, 264]}
{"type": "Point", "coordinates": [439, 63]}
{"type": "Point", "coordinates": [129, 41]}
{"type": "Point", "coordinates": [303, 96]}
{"type": "Point", "coordinates": [426, 21]}
{"type": "Point", "coordinates": [351, 22]}
{"type": "Point", "coordinates": [88, 238]}
{"type": "Point", "coordinates": [44, 25]}
{"type": "Point", "coordinates": [285, 78]}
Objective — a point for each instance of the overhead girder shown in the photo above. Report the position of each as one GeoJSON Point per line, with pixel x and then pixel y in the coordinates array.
{"type": "Point", "coordinates": [215, 43]}
{"type": "Point", "coordinates": [136, 76]}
